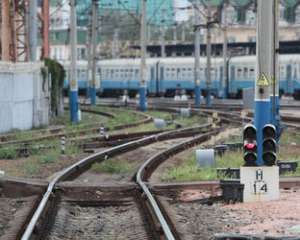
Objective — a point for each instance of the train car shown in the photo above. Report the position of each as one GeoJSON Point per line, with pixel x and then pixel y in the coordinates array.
{"type": "Point", "coordinates": [123, 74]}
{"type": "Point", "coordinates": [178, 74]}
{"type": "Point", "coordinates": [167, 75]}
{"type": "Point", "coordinates": [242, 75]}
{"type": "Point", "coordinates": [82, 75]}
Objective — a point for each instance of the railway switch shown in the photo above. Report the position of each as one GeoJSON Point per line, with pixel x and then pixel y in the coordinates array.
{"type": "Point", "coordinates": [269, 145]}
{"type": "Point", "coordinates": [250, 145]}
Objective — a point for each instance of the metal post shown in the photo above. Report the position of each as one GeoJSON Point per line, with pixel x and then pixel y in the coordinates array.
{"type": "Point", "coordinates": [115, 46]}
{"type": "Point", "coordinates": [89, 54]}
{"type": "Point", "coordinates": [163, 41]}
{"type": "Point", "coordinates": [265, 69]}
{"type": "Point", "coordinates": [175, 34]}
{"type": "Point", "coordinates": [208, 58]}
{"type": "Point", "coordinates": [33, 30]}
{"type": "Point", "coordinates": [197, 60]}
{"type": "Point", "coordinates": [143, 67]}
{"type": "Point", "coordinates": [183, 37]}
{"type": "Point", "coordinates": [223, 86]}
{"type": "Point", "coordinates": [5, 31]}
{"type": "Point", "coordinates": [45, 29]}
{"type": "Point", "coordinates": [275, 101]}
{"type": "Point", "coordinates": [73, 71]}
{"type": "Point", "coordinates": [94, 49]}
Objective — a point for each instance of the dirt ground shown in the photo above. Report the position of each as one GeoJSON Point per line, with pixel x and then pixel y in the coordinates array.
{"type": "Point", "coordinates": [13, 213]}
{"type": "Point", "coordinates": [134, 158]}
{"type": "Point", "coordinates": [275, 218]}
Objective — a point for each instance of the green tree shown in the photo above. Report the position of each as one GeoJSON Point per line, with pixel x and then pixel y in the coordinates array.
{"type": "Point", "coordinates": [57, 75]}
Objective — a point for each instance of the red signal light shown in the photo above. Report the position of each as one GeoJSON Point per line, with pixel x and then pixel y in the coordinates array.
{"type": "Point", "coordinates": [250, 146]}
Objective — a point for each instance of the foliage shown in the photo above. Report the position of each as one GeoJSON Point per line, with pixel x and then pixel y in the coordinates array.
{"type": "Point", "coordinates": [8, 153]}
{"type": "Point", "coordinates": [57, 73]}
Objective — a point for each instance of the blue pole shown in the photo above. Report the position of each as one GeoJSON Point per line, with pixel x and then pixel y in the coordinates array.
{"type": "Point", "coordinates": [261, 118]}
{"type": "Point", "coordinates": [266, 69]}
{"type": "Point", "coordinates": [94, 50]}
{"type": "Point", "coordinates": [208, 98]}
{"type": "Point", "coordinates": [73, 95]}
{"type": "Point", "coordinates": [197, 96]}
{"type": "Point", "coordinates": [142, 92]}
{"type": "Point", "coordinates": [93, 95]}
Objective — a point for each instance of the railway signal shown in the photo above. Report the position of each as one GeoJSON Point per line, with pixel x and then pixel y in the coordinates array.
{"type": "Point", "coordinates": [269, 145]}
{"type": "Point", "coordinates": [250, 145]}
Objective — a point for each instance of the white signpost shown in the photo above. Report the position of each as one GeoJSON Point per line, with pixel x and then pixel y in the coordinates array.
{"type": "Point", "coordinates": [260, 183]}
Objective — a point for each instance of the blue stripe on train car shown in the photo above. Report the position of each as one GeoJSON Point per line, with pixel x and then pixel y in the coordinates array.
{"type": "Point", "coordinates": [234, 86]}
{"type": "Point", "coordinates": [82, 84]}
{"type": "Point", "coordinates": [127, 84]}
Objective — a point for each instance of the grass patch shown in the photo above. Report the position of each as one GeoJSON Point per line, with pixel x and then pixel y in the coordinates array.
{"type": "Point", "coordinates": [8, 153]}
{"type": "Point", "coordinates": [31, 168]}
{"type": "Point", "coordinates": [189, 170]}
{"type": "Point", "coordinates": [112, 166]}
{"type": "Point", "coordinates": [50, 157]}
{"type": "Point", "coordinates": [289, 137]}
{"type": "Point", "coordinates": [191, 121]}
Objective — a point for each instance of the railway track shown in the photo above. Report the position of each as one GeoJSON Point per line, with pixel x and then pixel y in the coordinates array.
{"type": "Point", "coordinates": [70, 206]}
{"type": "Point", "coordinates": [76, 169]}
{"type": "Point", "coordinates": [48, 134]}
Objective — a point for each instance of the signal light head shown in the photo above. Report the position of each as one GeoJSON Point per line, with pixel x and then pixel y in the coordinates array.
{"type": "Point", "coordinates": [269, 145]}
{"type": "Point", "coordinates": [250, 145]}
{"type": "Point", "coordinates": [250, 158]}
{"type": "Point", "coordinates": [269, 158]}
{"type": "Point", "coordinates": [269, 131]}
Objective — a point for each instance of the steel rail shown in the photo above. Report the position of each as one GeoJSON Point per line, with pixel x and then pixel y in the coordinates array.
{"type": "Point", "coordinates": [147, 165]}
{"type": "Point", "coordinates": [67, 172]}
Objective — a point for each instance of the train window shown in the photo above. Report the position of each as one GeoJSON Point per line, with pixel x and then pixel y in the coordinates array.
{"type": "Point", "coordinates": [251, 73]}
{"type": "Point", "coordinates": [282, 72]}
{"type": "Point", "coordinates": [245, 72]}
{"type": "Point", "coordinates": [239, 73]}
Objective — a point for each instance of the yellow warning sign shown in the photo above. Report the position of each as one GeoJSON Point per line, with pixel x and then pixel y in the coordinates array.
{"type": "Point", "coordinates": [263, 81]}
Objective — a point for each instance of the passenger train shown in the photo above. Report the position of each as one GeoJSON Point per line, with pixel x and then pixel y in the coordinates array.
{"type": "Point", "coordinates": [167, 75]}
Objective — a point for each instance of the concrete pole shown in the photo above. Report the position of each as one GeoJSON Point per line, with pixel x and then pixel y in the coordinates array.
{"type": "Point", "coordinates": [175, 34]}
{"type": "Point", "coordinates": [163, 41]}
{"type": "Point", "coordinates": [224, 81]}
{"type": "Point", "coordinates": [143, 67]}
{"type": "Point", "coordinates": [45, 29]}
{"type": "Point", "coordinates": [183, 37]}
{"type": "Point", "coordinates": [265, 69]}
{"type": "Point", "coordinates": [275, 101]}
{"type": "Point", "coordinates": [5, 31]}
{"type": "Point", "coordinates": [33, 30]}
{"type": "Point", "coordinates": [149, 33]}
{"type": "Point", "coordinates": [89, 55]}
{"type": "Point", "coordinates": [208, 58]}
{"type": "Point", "coordinates": [197, 60]}
{"type": "Point", "coordinates": [115, 46]}
{"type": "Point", "coordinates": [73, 70]}
{"type": "Point", "coordinates": [94, 50]}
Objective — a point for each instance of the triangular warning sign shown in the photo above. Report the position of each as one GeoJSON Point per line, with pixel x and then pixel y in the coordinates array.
{"type": "Point", "coordinates": [263, 80]}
